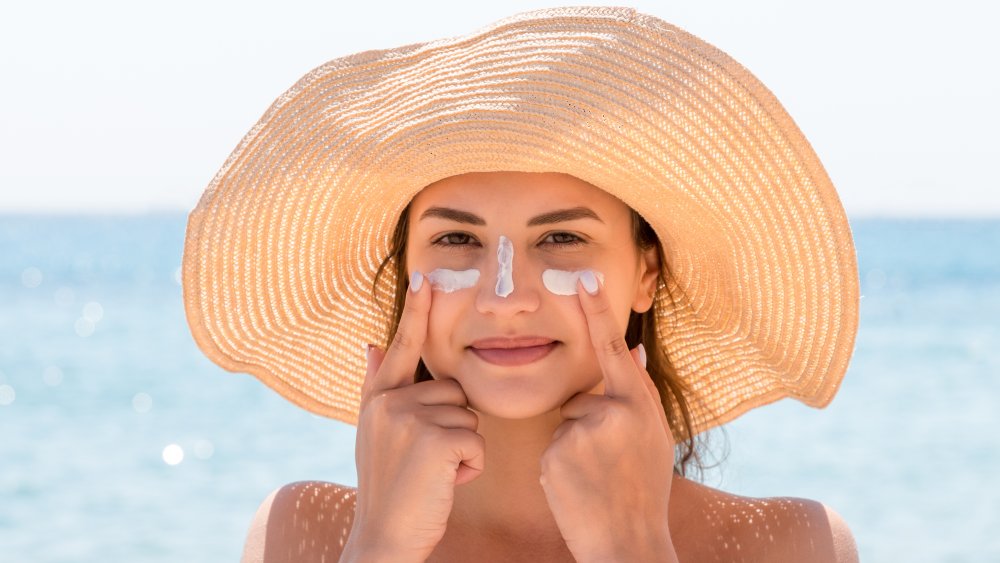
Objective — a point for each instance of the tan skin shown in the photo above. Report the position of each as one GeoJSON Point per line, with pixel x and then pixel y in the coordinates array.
{"type": "Point", "coordinates": [526, 462]}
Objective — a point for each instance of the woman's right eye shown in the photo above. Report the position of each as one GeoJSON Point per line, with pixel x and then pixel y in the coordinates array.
{"type": "Point", "coordinates": [453, 239]}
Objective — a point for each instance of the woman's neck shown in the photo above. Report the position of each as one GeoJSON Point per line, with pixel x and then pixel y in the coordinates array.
{"type": "Point", "coordinates": [504, 511]}
{"type": "Point", "coordinates": [506, 500]}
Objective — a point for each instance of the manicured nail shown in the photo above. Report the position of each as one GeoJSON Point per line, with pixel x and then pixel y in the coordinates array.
{"type": "Point", "coordinates": [416, 280]}
{"type": "Point", "coordinates": [368, 352]}
{"type": "Point", "coordinates": [589, 281]}
{"type": "Point", "coordinates": [642, 354]}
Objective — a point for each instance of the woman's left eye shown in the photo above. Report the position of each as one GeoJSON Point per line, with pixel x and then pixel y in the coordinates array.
{"type": "Point", "coordinates": [567, 239]}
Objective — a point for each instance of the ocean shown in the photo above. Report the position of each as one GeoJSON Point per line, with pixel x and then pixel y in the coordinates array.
{"type": "Point", "coordinates": [120, 441]}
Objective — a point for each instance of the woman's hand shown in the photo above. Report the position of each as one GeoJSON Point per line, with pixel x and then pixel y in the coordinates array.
{"type": "Point", "coordinates": [415, 443]}
{"type": "Point", "coordinates": [607, 472]}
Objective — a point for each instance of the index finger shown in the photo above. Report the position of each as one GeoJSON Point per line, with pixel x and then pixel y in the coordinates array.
{"type": "Point", "coordinates": [403, 354]}
{"type": "Point", "coordinates": [620, 372]}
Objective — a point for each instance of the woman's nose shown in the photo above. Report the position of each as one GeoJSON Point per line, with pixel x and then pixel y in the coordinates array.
{"type": "Point", "coordinates": [506, 287]}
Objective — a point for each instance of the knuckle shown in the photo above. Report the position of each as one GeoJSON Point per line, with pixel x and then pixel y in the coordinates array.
{"type": "Point", "coordinates": [448, 391]}
{"type": "Point", "coordinates": [379, 403]}
{"type": "Point", "coordinates": [611, 417]}
{"type": "Point", "coordinates": [473, 421]}
{"type": "Point", "coordinates": [376, 401]}
{"type": "Point", "coordinates": [616, 346]}
{"type": "Point", "coordinates": [470, 439]}
{"type": "Point", "coordinates": [550, 460]}
{"type": "Point", "coordinates": [410, 417]}
{"type": "Point", "coordinates": [598, 419]}
{"type": "Point", "coordinates": [436, 435]}
{"type": "Point", "coordinates": [451, 383]}
{"type": "Point", "coordinates": [459, 392]}
{"type": "Point", "coordinates": [616, 411]}
{"type": "Point", "coordinates": [403, 341]}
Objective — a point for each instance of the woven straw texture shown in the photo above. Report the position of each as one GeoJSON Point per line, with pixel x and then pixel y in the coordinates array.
{"type": "Point", "coordinates": [281, 250]}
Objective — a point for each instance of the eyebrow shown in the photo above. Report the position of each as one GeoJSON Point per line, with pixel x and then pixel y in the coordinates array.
{"type": "Point", "coordinates": [550, 217]}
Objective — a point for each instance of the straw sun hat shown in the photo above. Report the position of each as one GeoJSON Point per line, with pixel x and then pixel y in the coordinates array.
{"type": "Point", "coordinates": [281, 250]}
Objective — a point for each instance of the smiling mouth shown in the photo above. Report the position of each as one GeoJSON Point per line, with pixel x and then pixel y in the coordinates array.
{"type": "Point", "coordinates": [514, 356]}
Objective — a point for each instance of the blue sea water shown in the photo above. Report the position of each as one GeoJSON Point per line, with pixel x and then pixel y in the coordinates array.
{"type": "Point", "coordinates": [120, 441]}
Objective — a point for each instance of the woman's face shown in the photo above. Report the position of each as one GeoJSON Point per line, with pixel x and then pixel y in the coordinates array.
{"type": "Point", "coordinates": [457, 223]}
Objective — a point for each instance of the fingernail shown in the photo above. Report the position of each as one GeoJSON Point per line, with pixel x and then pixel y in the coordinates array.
{"type": "Point", "coordinates": [589, 281]}
{"type": "Point", "coordinates": [368, 352]}
{"type": "Point", "coordinates": [642, 354]}
{"type": "Point", "coordinates": [416, 280]}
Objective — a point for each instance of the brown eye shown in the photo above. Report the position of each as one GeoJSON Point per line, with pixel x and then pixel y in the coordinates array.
{"type": "Point", "coordinates": [563, 239]}
{"type": "Point", "coordinates": [453, 240]}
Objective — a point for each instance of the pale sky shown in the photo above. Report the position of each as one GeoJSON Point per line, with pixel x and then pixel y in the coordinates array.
{"type": "Point", "coordinates": [124, 106]}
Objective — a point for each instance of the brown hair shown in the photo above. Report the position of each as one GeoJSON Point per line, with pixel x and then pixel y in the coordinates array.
{"type": "Point", "coordinates": [642, 327]}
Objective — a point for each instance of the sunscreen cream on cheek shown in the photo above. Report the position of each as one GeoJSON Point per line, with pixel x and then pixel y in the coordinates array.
{"type": "Point", "coordinates": [561, 282]}
{"type": "Point", "coordinates": [448, 281]}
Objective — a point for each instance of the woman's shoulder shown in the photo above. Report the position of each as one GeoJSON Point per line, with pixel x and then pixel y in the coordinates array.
{"type": "Point", "coordinates": [301, 521]}
{"type": "Point", "coordinates": [311, 520]}
{"type": "Point", "coordinates": [710, 524]}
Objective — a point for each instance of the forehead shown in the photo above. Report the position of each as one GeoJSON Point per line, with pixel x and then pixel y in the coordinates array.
{"type": "Point", "coordinates": [515, 193]}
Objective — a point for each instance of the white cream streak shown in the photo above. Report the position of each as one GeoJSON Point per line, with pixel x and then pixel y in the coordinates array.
{"type": "Point", "coordinates": [447, 281]}
{"type": "Point", "coordinates": [562, 282]}
{"type": "Point", "coordinates": [505, 274]}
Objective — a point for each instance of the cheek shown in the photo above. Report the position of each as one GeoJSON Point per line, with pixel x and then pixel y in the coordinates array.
{"type": "Point", "coordinates": [445, 312]}
{"type": "Point", "coordinates": [616, 290]}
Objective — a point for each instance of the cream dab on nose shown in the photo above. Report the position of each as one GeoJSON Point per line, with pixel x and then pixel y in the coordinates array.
{"type": "Point", "coordinates": [505, 275]}
{"type": "Point", "coordinates": [447, 281]}
{"type": "Point", "coordinates": [561, 282]}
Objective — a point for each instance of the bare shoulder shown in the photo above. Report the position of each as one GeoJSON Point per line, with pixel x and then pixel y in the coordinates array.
{"type": "Point", "coordinates": [727, 527]}
{"type": "Point", "coordinates": [301, 521]}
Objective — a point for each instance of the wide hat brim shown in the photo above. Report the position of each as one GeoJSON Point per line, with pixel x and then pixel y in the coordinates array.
{"type": "Point", "coordinates": [281, 251]}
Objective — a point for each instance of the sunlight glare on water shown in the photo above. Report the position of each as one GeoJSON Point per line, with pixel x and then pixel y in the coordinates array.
{"type": "Point", "coordinates": [173, 454]}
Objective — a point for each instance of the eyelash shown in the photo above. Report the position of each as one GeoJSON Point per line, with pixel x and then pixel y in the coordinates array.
{"type": "Point", "coordinates": [576, 240]}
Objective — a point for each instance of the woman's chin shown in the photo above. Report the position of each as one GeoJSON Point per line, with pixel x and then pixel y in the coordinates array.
{"type": "Point", "coordinates": [499, 409]}
{"type": "Point", "coordinates": [517, 404]}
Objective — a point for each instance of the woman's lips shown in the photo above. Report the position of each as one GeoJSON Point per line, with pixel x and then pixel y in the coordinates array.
{"type": "Point", "coordinates": [514, 356]}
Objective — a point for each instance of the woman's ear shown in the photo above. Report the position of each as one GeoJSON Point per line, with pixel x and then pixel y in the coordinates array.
{"type": "Point", "coordinates": [649, 272]}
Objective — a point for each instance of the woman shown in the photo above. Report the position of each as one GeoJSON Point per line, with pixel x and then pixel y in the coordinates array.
{"type": "Point", "coordinates": [582, 237]}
